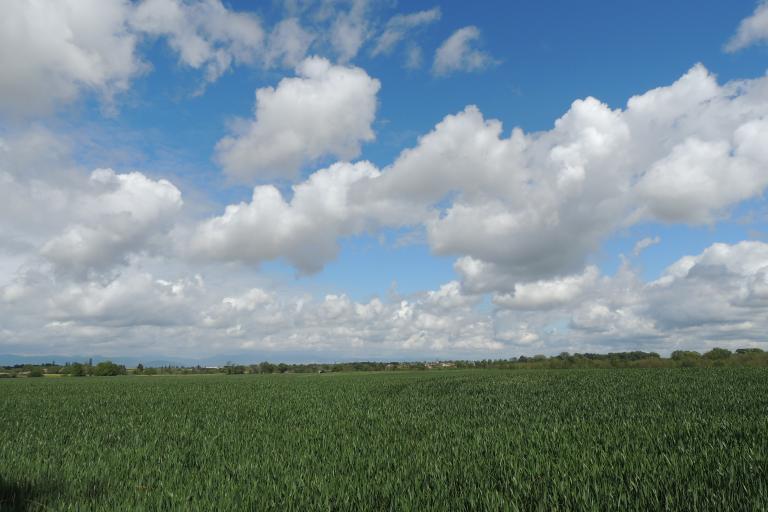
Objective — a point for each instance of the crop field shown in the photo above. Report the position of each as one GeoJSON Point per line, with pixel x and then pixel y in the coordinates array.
{"type": "Point", "coordinates": [684, 439]}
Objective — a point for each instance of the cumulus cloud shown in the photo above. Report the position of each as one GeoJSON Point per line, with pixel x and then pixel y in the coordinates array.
{"type": "Point", "coordinates": [51, 50]}
{"type": "Point", "coordinates": [303, 230]}
{"type": "Point", "coordinates": [457, 53]}
{"type": "Point", "coordinates": [533, 206]}
{"type": "Point", "coordinates": [132, 299]}
{"type": "Point", "coordinates": [714, 298]}
{"type": "Point", "coordinates": [152, 315]}
{"type": "Point", "coordinates": [204, 33]}
{"type": "Point", "coordinates": [548, 294]}
{"type": "Point", "coordinates": [522, 212]}
{"type": "Point", "coordinates": [725, 284]}
{"type": "Point", "coordinates": [38, 185]}
{"type": "Point", "coordinates": [698, 179]}
{"type": "Point", "coordinates": [118, 216]}
{"type": "Point", "coordinates": [325, 110]}
{"type": "Point", "coordinates": [55, 213]}
{"type": "Point", "coordinates": [753, 29]}
{"type": "Point", "coordinates": [440, 321]}
{"type": "Point", "coordinates": [399, 26]}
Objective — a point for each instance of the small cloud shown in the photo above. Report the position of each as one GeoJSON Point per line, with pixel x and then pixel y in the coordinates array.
{"type": "Point", "coordinates": [753, 29]}
{"type": "Point", "coordinates": [399, 26]}
{"type": "Point", "coordinates": [458, 54]}
{"type": "Point", "coordinates": [645, 243]}
{"type": "Point", "coordinates": [415, 237]}
{"type": "Point", "coordinates": [413, 57]}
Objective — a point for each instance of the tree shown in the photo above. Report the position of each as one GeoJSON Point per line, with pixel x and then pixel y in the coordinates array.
{"type": "Point", "coordinates": [108, 369]}
{"type": "Point", "coordinates": [679, 355]}
{"type": "Point", "coordinates": [77, 370]}
{"type": "Point", "coordinates": [233, 369]}
{"type": "Point", "coordinates": [718, 354]}
{"type": "Point", "coordinates": [139, 369]}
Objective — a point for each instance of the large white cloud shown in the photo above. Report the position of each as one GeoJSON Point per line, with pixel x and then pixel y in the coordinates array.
{"type": "Point", "coordinates": [133, 299]}
{"type": "Point", "coordinates": [303, 230]}
{"type": "Point", "coordinates": [533, 206]}
{"type": "Point", "coordinates": [52, 49]}
{"type": "Point", "coordinates": [548, 294]}
{"type": "Point", "coordinates": [119, 215]}
{"type": "Point", "coordinates": [156, 316]}
{"type": "Point", "coordinates": [325, 110]}
{"type": "Point", "coordinates": [76, 221]}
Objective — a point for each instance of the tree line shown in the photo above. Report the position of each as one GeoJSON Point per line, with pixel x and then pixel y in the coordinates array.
{"type": "Point", "coordinates": [717, 357]}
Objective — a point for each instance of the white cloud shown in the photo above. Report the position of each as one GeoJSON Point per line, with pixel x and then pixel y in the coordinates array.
{"type": "Point", "coordinates": [304, 231]}
{"type": "Point", "coordinates": [699, 179]}
{"type": "Point", "coordinates": [753, 29]}
{"type": "Point", "coordinates": [548, 294]}
{"type": "Point", "coordinates": [51, 50]}
{"type": "Point", "coordinates": [533, 206]}
{"type": "Point", "coordinates": [516, 202]}
{"type": "Point", "coordinates": [399, 26]}
{"type": "Point", "coordinates": [204, 33]}
{"type": "Point", "coordinates": [133, 299]}
{"type": "Point", "coordinates": [156, 316]}
{"type": "Point", "coordinates": [118, 216]}
{"type": "Point", "coordinates": [326, 110]}
{"type": "Point", "coordinates": [349, 30]}
{"type": "Point", "coordinates": [437, 322]}
{"type": "Point", "coordinates": [522, 212]}
{"type": "Point", "coordinates": [458, 54]}
{"type": "Point", "coordinates": [720, 288]}
{"type": "Point", "coordinates": [78, 222]}
{"type": "Point", "coordinates": [413, 57]}
{"type": "Point", "coordinates": [645, 243]}
{"type": "Point", "coordinates": [288, 44]}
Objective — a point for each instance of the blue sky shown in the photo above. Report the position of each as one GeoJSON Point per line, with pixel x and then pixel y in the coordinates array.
{"type": "Point", "coordinates": [163, 94]}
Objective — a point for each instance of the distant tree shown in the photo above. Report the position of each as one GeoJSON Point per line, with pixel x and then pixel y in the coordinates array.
{"type": "Point", "coordinates": [108, 369]}
{"type": "Point", "coordinates": [233, 369]}
{"type": "Point", "coordinates": [139, 369]}
{"type": "Point", "coordinates": [35, 372]}
{"type": "Point", "coordinates": [266, 367]}
{"type": "Point", "coordinates": [77, 370]}
{"type": "Point", "coordinates": [679, 355]}
{"type": "Point", "coordinates": [718, 354]}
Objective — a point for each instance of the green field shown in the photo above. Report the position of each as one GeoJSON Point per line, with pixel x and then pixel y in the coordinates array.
{"type": "Point", "coordinates": [685, 439]}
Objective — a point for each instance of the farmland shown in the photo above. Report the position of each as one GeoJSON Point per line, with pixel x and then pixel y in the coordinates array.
{"type": "Point", "coordinates": [634, 439]}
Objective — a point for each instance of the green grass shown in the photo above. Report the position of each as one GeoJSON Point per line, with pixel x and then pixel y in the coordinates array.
{"type": "Point", "coordinates": [450, 440]}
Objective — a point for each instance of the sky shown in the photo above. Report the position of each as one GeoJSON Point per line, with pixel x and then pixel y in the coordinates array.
{"type": "Point", "coordinates": [333, 180]}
